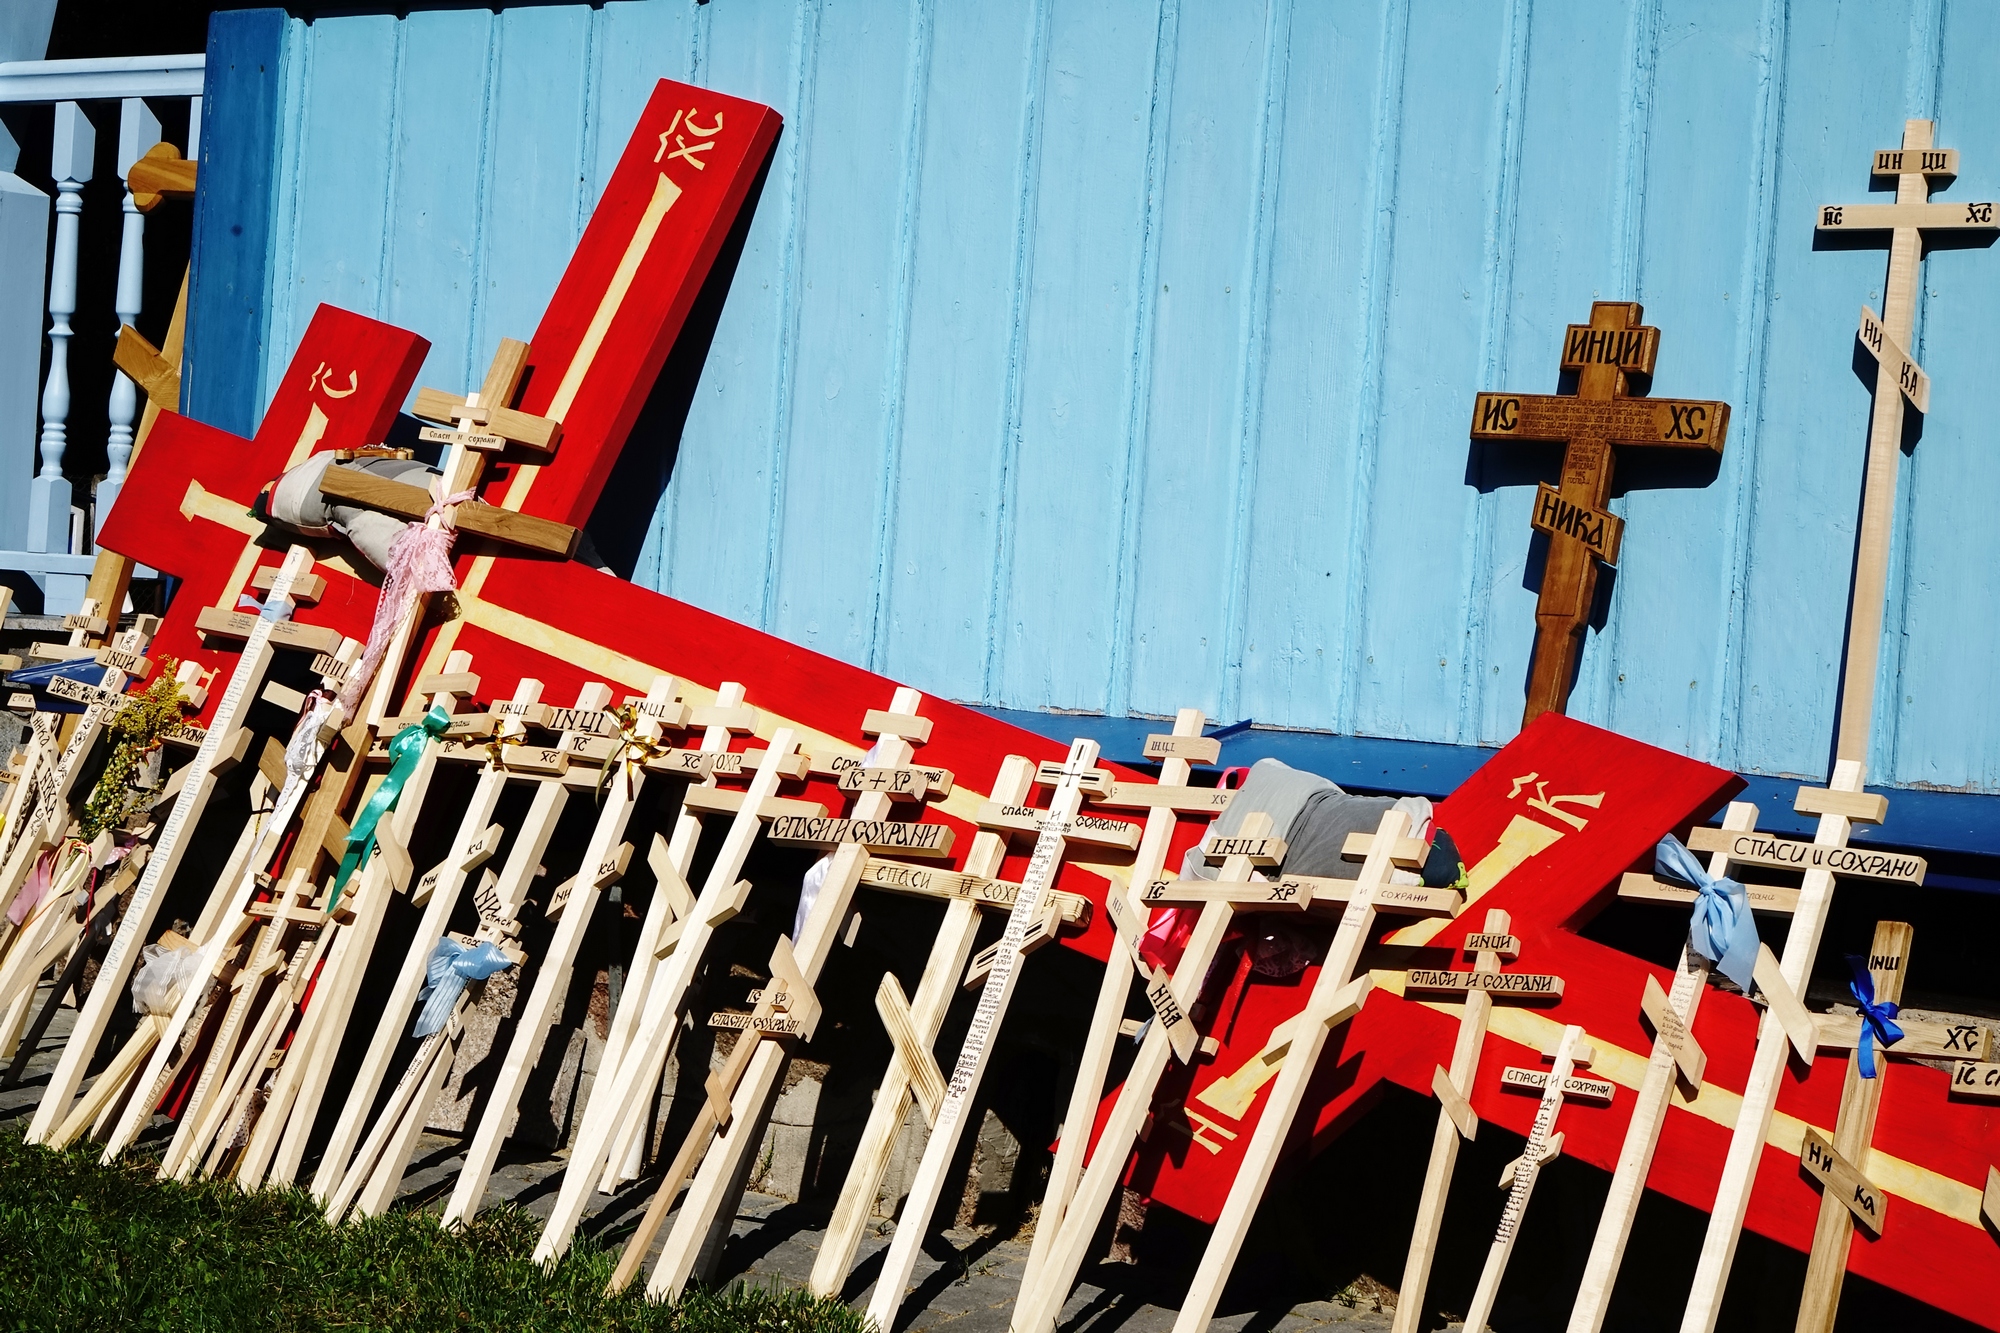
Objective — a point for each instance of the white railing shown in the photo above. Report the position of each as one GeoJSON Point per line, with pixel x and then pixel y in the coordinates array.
{"type": "Point", "coordinates": [51, 534]}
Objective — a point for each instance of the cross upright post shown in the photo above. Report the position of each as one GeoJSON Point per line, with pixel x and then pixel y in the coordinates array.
{"type": "Point", "coordinates": [1843, 802]}
{"type": "Point", "coordinates": [1606, 410]}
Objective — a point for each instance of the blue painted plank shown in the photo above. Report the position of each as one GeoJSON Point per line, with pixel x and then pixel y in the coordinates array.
{"type": "Point", "coordinates": [1657, 666]}
{"type": "Point", "coordinates": [341, 210]}
{"type": "Point", "coordinates": [1808, 466]}
{"type": "Point", "coordinates": [850, 238]}
{"type": "Point", "coordinates": [1063, 502]}
{"type": "Point", "coordinates": [1341, 117]}
{"type": "Point", "coordinates": [1405, 485]}
{"type": "Point", "coordinates": [435, 242]}
{"type": "Point", "coordinates": [1209, 222]}
{"type": "Point", "coordinates": [638, 43]}
{"type": "Point", "coordinates": [945, 435]}
{"type": "Point", "coordinates": [708, 541]}
{"type": "Point", "coordinates": [228, 288]}
{"type": "Point", "coordinates": [1938, 694]}
{"type": "Point", "coordinates": [536, 197]}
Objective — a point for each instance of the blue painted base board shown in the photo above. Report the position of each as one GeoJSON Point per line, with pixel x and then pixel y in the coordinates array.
{"type": "Point", "coordinates": [1958, 833]}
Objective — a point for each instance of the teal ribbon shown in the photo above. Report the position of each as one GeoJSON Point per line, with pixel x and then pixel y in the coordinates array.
{"type": "Point", "coordinates": [404, 750]}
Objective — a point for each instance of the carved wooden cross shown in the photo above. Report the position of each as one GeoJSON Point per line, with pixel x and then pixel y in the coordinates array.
{"type": "Point", "coordinates": [1604, 412]}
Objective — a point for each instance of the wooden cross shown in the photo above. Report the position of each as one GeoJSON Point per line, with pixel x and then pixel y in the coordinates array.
{"type": "Point", "coordinates": [1544, 1142]}
{"type": "Point", "coordinates": [380, 1163]}
{"type": "Point", "coordinates": [741, 1093]}
{"type": "Point", "coordinates": [290, 908]}
{"type": "Point", "coordinates": [1453, 1087]}
{"type": "Point", "coordinates": [1071, 780]}
{"type": "Point", "coordinates": [618, 1097]}
{"type": "Point", "coordinates": [194, 515]}
{"type": "Point", "coordinates": [277, 1145]}
{"type": "Point", "coordinates": [1162, 804]}
{"type": "Point", "coordinates": [345, 950]}
{"type": "Point", "coordinates": [1914, 165]}
{"type": "Point", "coordinates": [600, 865]}
{"type": "Point", "coordinates": [1604, 412]}
{"type": "Point", "coordinates": [1336, 996]}
{"type": "Point", "coordinates": [171, 844]}
{"type": "Point", "coordinates": [1848, 1196]}
{"type": "Point", "coordinates": [466, 453]}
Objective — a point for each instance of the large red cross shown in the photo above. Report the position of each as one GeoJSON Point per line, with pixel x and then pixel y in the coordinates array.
{"type": "Point", "coordinates": [1940, 1259]}
{"type": "Point", "coordinates": [636, 272]}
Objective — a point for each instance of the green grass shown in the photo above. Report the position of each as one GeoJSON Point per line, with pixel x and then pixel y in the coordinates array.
{"type": "Point", "coordinates": [86, 1247]}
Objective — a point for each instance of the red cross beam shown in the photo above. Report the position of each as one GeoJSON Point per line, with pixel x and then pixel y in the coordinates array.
{"type": "Point", "coordinates": [622, 300]}
{"type": "Point", "coordinates": [1545, 827]}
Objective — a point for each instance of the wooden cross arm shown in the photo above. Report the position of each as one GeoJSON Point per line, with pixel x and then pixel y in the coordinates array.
{"type": "Point", "coordinates": [1978, 215]}
{"type": "Point", "coordinates": [161, 174]}
{"type": "Point", "coordinates": [1295, 893]}
{"type": "Point", "coordinates": [1844, 1181]}
{"type": "Point", "coordinates": [1673, 423]}
{"type": "Point", "coordinates": [1637, 887]}
{"type": "Point", "coordinates": [474, 516]}
{"type": "Point", "coordinates": [1934, 1041]}
{"type": "Point", "coordinates": [540, 433]}
{"type": "Point", "coordinates": [145, 367]}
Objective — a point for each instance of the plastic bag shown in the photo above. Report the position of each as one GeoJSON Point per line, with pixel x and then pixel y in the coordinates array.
{"type": "Point", "coordinates": [162, 974]}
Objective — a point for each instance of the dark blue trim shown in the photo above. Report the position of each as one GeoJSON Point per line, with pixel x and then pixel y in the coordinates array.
{"type": "Point", "coordinates": [228, 289]}
{"type": "Point", "coordinates": [1962, 829]}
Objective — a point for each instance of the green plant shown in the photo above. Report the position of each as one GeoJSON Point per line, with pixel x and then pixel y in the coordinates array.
{"type": "Point", "coordinates": [88, 1247]}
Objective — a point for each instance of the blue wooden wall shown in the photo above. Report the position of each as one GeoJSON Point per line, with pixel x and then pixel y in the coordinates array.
{"type": "Point", "coordinates": [1116, 355]}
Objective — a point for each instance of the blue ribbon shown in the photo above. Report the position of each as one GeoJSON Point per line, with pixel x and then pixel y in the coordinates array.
{"type": "Point", "coordinates": [272, 609]}
{"type": "Point", "coordinates": [451, 966]}
{"type": "Point", "coordinates": [1878, 1021]}
{"type": "Point", "coordinates": [1722, 930]}
{"type": "Point", "coordinates": [405, 749]}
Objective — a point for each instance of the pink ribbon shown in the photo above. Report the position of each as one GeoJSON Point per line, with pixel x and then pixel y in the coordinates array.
{"type": "Point", "coordinates": [419, 562]}
{"type": "Point", "coordinates": [1167, 933]}
{"type": "Point", "coordinates": [34, 890]}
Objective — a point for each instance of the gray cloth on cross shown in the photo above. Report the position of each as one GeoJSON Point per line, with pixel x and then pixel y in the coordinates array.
{"type": "Point", "coordinates": [296, 502]}
{"type": "Point", "coordinates": [1315, 815]}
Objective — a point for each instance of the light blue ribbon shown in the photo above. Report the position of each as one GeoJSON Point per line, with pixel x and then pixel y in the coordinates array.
{"type": "Point", "coordinates": [405, 749]}
{"type": "Point", "coordinates": [273, 609]}
{"type": "Point", "coordinates": [1722, 930]}
{"type": "Point", "coordinates": [451, 966]}
{"type": "Point", "coordinates": [1878, 1021]}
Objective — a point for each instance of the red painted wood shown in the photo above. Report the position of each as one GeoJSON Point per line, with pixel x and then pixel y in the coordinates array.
{"type": "Point", "coordinates": [1647, 792]}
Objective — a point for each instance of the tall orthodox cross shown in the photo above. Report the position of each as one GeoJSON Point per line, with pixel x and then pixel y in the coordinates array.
{"type": "Point", "coordinates": [1606, 410]}
{"type": "Point", "coordinates": [1914, 165]}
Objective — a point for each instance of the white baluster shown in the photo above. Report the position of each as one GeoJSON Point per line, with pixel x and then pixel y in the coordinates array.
{"type": "Point", "coordinates": [138, 131]}
{"type": "Point", "coordinates": [48, 515]}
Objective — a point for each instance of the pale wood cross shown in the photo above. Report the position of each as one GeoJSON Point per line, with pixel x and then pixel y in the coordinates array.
{"type": "Point", "coordinates": [619, 1096]}
{"type": "Point", "coordinates": [1177, 752]}
{"type": "Point", "coordinates": [1603, 413]}
{"type": "Point", "coordinates": [1844, 802]}
{"type": "Point", "coordinates": [467, 449]}
{"type": "Point", "coordinates": [263, 636]}
{"type": "Point", "coordinates": [740, 1095]}
{"type": "Point", "coordinates": [289, 912]}
{"type": "Point", "coordinates": [1336, 996]}
{"type": "Point", "coordinates": [1456, 1119]}
{"type": "Point", "coordinates": [601, 864]}
{"type": "Point", "coordinates": [277, 1144]}
{"type": "Point", "coordinates": [1054, 828]}
{"type": "Point", "coordinates": [368, 1182]}
{"type": "Point", "coordinates": [339, 955]}
{"type": "Point", "coordinates": [1849, 1196]}
{"type": "Point", "coordinates": [1544, 1141]}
